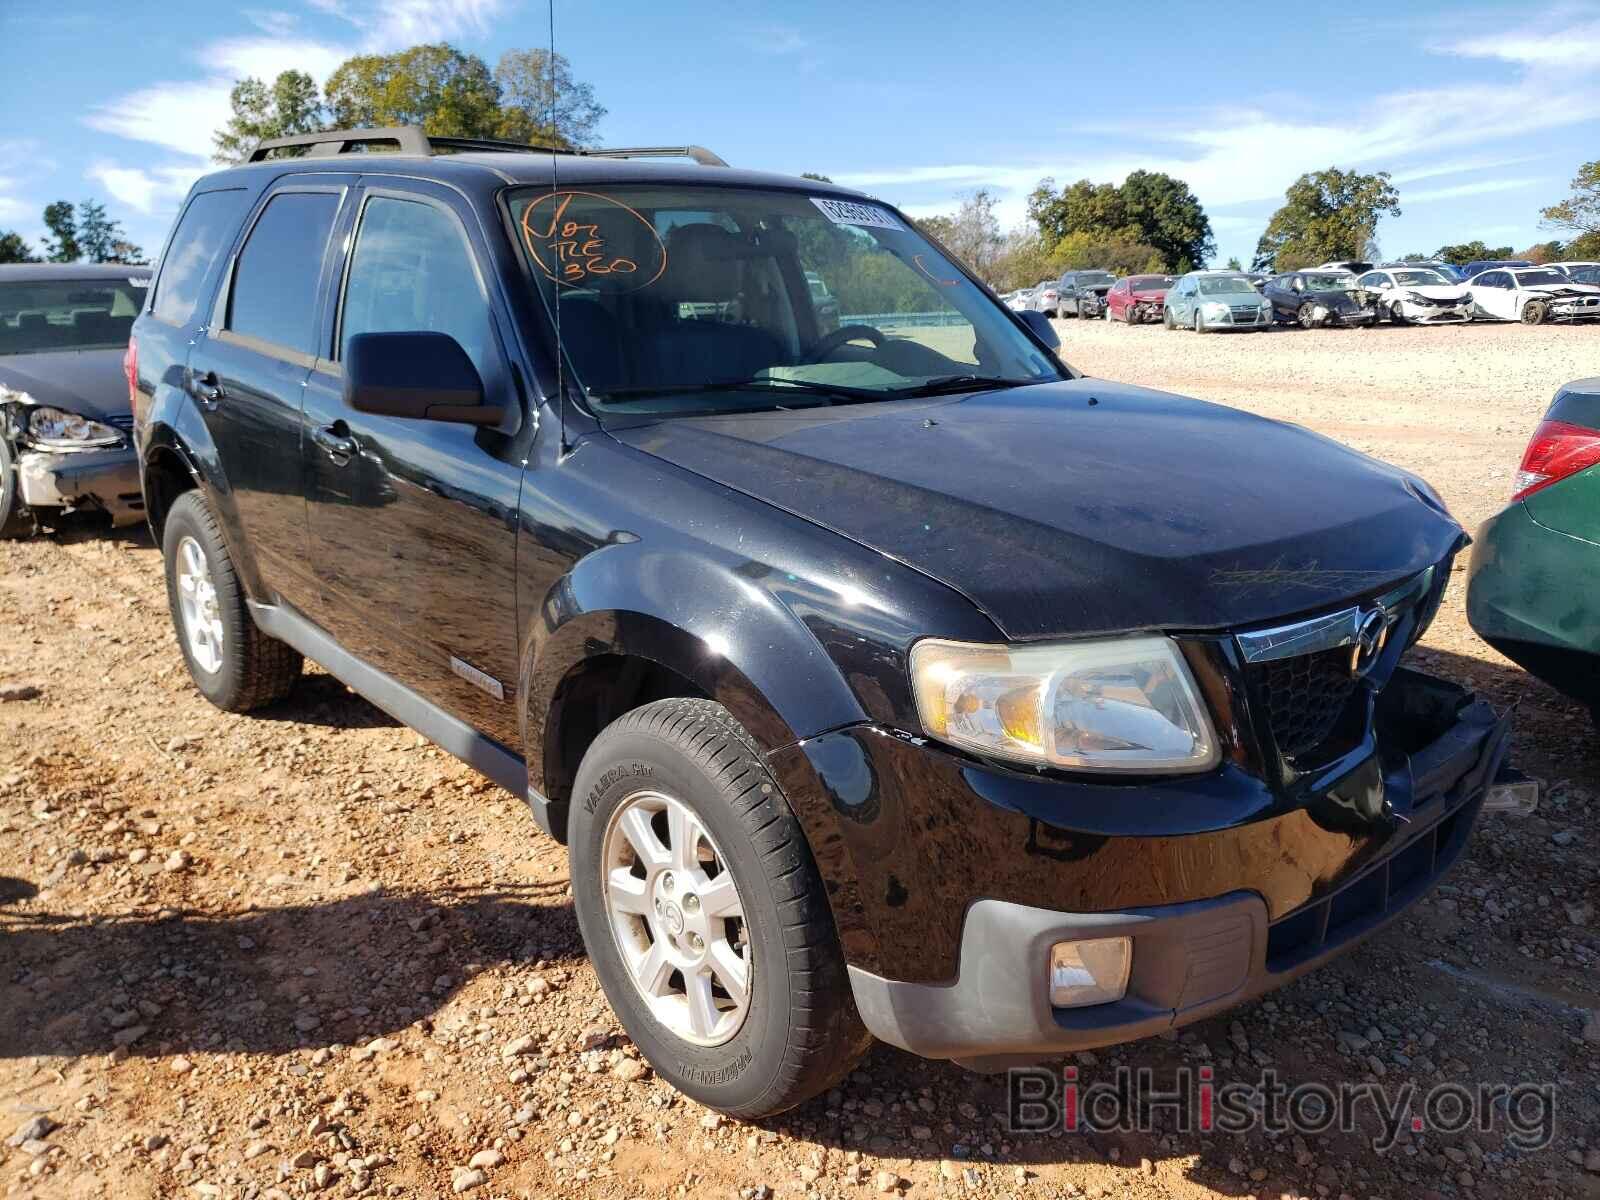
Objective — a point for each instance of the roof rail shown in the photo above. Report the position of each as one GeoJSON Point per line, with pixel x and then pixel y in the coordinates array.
{"type": "Point", "coordinates": [700, 154]}
{"type": "Point", "coordinates": [411, 139]}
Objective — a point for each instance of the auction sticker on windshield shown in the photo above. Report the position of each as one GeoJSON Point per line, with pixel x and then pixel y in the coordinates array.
{"type": "Point", "coordinates": [848, 212]}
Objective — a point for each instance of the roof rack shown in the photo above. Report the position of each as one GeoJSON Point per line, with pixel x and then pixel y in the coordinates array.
{"type": "Point", "coordinates": [411, 139]}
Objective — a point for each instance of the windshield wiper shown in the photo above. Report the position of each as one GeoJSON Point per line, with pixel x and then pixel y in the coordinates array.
{"type": "Point", "coordinates": [742, 385]}
{"type": "Point", "coordinates": [963, 383]}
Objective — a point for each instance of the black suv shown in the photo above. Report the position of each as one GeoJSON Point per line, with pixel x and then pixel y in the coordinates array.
{"type": "Point", "coordinates": [885, 679]}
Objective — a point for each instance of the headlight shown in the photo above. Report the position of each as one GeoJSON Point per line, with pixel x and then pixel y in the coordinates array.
{"type": "Point", "coordinates": [1214, 308]}
{"type": "Point", "coordinates": [54, 428]}
{"type": "Point", "coordinates": [1118, 704]}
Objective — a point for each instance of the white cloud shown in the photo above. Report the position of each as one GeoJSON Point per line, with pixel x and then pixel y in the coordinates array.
{"type": "Point", "coordinates": [1242, 156]}
{"type": "Point", "coordinates": [1481, 188]}
{"type": "Point", "coordinates": [154, 191]}
{"type": "Point", "coordinates": [272, 21]}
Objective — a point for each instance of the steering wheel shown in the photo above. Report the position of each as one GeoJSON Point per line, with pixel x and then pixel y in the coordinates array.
{"type": "Point", "coordinates": [830, 342]}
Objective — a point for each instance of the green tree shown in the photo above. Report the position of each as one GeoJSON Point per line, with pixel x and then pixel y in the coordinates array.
{"type": "Point", "coordinates": [1330, 214]}
{"type": "Point", "coordinates": [291, 105]}
{"type": "Point", "coordinates": [1115, 252]}
{"type": "Point", "coordinates": [14, 250]}
{"type": "Point", "coordinates": [100, 238]}
{"type": "Point", "coordinates": [1148, 209]}
{"type": "Point", "coordinates": [940, 228]}
{"type": "Point", "coordinates": [540, 101]}
{"type": "Point", "coordinates": [1466, 252]}
{"type": "Point", "coordinates": [1023, 260]}
{"type": "Point", "coordinates": [435, 86]}
{"type": "Point", "coordinates": [814, 175]}
{"type": "Point", "coordinates": [60, 220]}
{"type": "Point", "coordinates": [1579, 213]}
{"type": "Point", "coordinates": [1543, 252]}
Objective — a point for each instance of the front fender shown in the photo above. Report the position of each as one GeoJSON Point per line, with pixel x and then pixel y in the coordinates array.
{"type": "Point", "coordinates": [734, 639]}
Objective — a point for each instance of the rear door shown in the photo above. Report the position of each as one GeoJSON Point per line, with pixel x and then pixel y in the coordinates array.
{"type": "Point", "coordinates": [1494, 295]}
{"type": "Point", "coordinates": [249, 371]}
{"type": "Point", "coordinates": [413, 523]}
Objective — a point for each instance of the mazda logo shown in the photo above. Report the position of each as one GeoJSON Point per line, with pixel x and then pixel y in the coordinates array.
{"type": "Point", "coordinates": [1370, 638]}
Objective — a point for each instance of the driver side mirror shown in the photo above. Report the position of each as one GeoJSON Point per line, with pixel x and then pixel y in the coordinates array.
{"type": "Point", "coordinates": [1040, 325]}
{"type": "Point", "coordinates": [417, 374]}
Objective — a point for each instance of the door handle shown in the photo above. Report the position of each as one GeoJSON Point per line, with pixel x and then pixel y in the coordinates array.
{"type": "Point", "coordinates": [207, 389]}
{"type": "Point", "coordinates": [336, 442]}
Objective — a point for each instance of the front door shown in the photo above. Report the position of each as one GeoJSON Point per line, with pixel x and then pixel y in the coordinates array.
{"type": "Point", "coordinates": [248, 372]}
{"type": "Point", "coordinates": [412, 522]}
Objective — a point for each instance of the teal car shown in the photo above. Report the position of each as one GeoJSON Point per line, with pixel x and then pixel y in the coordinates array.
{"type": "Point", "coordinates": [1208, 300]}
{"type": "Point", "coordinates": [1533, 587]}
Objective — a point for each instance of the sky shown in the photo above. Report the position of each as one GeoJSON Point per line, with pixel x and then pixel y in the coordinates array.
{"type": "Point", "coordinates": [1482, 112]}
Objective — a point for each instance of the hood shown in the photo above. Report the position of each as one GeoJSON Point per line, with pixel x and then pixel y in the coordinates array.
{"type": "Point", "coordinates": [1434, 291]}
{"type": "Point", "coordinates": [87, 382]}
{"type": "Point", "coordinates": [1148, 293]}
{"type": "Point", "coordinates": [1567, 289]}
{"type": "Point", "coordinates": [1083, 506]}
{"type": "Point", "coordinates": [1099, 289]}
{"type": "Point", "coordinates": [1332, 299]}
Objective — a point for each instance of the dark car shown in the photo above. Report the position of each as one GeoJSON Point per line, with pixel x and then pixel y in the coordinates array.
{"type": "Point", "coordinates": [1317, 298]}
{"type": "Point", "coordinates": [1533, 561]}
{"type": "Point", "coordinates": [889, 680]}
{"type": "Point", "coordinates": [65, 422]}
{"type": "Point", "coordinates": [1474, 269]}
{"type": "Point", "coordinates": [1083, 293]}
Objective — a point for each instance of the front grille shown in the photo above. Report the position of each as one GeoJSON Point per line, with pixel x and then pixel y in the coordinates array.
{"type": "Point", "coordinates": [1244, 314]}
{"type": "Point", "coordinates": [122, 421]}
{"type": "Point", "coordinates": [1305, 696]}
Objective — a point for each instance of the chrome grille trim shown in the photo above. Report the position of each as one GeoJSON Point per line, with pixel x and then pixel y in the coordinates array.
{"type": "Point", "coordinates": [1330, 630]}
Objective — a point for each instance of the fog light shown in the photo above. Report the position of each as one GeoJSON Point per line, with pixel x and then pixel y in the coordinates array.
{"type": "Point", "coordinates": [1092, 972]}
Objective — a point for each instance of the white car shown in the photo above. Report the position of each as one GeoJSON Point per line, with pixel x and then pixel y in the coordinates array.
{"type": "Point", "coordinates": [1045, 298]}
{"type": "Point", "coordinates": [1532, 295]}
{"type": "Point", "coordinates": [1578, 272]}
{"type": "Point", "coordinates": [1417, 295]}
{"type": "Point", "coordinates": [1017, 301]}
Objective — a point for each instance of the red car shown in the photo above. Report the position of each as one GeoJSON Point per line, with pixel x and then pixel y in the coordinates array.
{"type": "Point", "coordinates": [1138, 298]}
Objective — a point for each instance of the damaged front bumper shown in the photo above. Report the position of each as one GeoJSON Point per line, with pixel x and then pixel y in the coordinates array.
{"type": "Point", "coordinates": [76, 481]}
{"type": "Point", "coordinates": [952, 894]}
{"type": "Point", "coordinates": [1418, 313]}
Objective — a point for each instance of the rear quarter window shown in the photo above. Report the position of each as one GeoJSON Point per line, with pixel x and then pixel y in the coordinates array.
{"type": "Point", "coordinates": [203, 235]}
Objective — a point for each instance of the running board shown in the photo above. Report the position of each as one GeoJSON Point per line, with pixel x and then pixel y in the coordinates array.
{"type": "Point", "coordinates": [481, 753]}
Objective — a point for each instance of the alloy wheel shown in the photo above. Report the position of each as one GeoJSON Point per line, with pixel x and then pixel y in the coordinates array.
{"type": "Point", "coordinates": [197, 601]}
{"type": "Point", "coordinates": [678, 919]}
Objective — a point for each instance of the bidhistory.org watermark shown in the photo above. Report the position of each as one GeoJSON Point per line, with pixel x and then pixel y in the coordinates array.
{"type": "Point", "coordinates": [1040, 1099]}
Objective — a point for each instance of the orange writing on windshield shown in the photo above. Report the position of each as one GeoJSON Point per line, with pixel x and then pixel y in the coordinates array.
{"type": "Point", "coordinates": [592, 244]}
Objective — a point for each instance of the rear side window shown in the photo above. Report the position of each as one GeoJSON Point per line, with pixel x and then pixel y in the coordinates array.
{"type": "Point", "coordinates": [412, 270]}
{"type": "Point", "coordinates": [274, 296]}
{"type": "Point", "coordinates": [204, 233]}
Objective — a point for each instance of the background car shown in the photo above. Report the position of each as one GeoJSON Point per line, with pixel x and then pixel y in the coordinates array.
{"type": "Point", "coordinates": [1450, 271]}
{"type": "Point", "coordinates": [1208, 300]}
{"type": "Point", "coordinates": [1578, 272]}
{"type": "Point", "coordinates": [1138, 298]}
{"type": "Point", "coordinates": [1082, 293]}
{"type": "Point", "coordinates": [1019, 300]}
{"type": "Point", "coordinates": [1417, 295]}
{"type": "Point", "coordinates": [1532, 295]}
{"type": "Point", "coordinates": [823, 303]}
{"type": "Point", "coordinates": [1354, 265]}
{"type": "Point", "coordinates": [65, 419]}
{"type": "Point", "coordinates": [1042, 297]}
{"type": "Point", "coordinates": [1489, 264]}
{"type": "Point", "coordinates": [1534, 562]}
{"type": "Point", "coordinates": [1316, 298]}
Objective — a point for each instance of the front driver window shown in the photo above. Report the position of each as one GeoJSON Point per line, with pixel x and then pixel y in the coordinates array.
{"type": "Point", "coordinates": [412, 270]}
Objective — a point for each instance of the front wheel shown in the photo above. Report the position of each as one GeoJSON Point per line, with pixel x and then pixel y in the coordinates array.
{"type": "Point", "coordinates": [704, 915]}
{"type": "Point", "coordinates": [1307, 315]}
{"type": "Point", "coordinates": [1199, 322]}
{"type": "Point", "coordinates": [1166, 319]}
{"type": "Point", "coordinates": [1535, 312]}
{"type": "Point", "coordinates": [1398, 317]}
{"type": "Point", "coordinates": [234, 664]}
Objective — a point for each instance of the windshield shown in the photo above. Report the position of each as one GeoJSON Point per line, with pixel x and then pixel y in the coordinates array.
{"type": "Point", "coordinates": [1536, 278]}
{"type": "Point", "coordinates": [68, 314]}
{"type": "Point", "coordinates": [1150, 283]}
{"type": "Point", "coordinates": [1419, 278]}
{"type": "Point", "coordinates": [1329, 282]}
{"type": "Point", "coordinates": [1224, 285]}
{"type": "Point", "coordinates": [688, 299]}
{"type": "Point", "coordinates": [1096, 279]}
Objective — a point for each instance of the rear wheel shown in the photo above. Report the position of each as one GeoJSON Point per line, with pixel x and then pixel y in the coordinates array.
{"type": "Point", "coordinates": [234, 664]}
{"type": "Point", "coordinates": [704, 915]}
{"type": "Point", "coordinates": [1535, 312]}
{"type": "Point", "coordinates": [16, 518]}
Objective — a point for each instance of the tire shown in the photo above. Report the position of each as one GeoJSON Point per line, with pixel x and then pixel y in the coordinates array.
{"type": "Point", "coordinates": [1304, 315]}
{"type": "Point", "coordinates": [1166, 319]}
{"type": "Point", "coordinates": [1396, 316]}
{"type": "Point", "coordinates": [1199, 322]}
{"type": "Point", "coordinates": [247, 668]}
{"type": "Point", "coordinates": [16, 518]}
{"type": "Point", "coordinates": [1535, 312]}
{"type": "Point", "coordinates": [798, 1032]}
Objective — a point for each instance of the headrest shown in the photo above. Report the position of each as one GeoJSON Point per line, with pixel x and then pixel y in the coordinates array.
{"type": "Point", "coordinates": [702, 264]}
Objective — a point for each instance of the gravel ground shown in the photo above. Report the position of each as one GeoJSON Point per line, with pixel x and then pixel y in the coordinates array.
{"type": "Point", "coordinates": [305, 951]}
